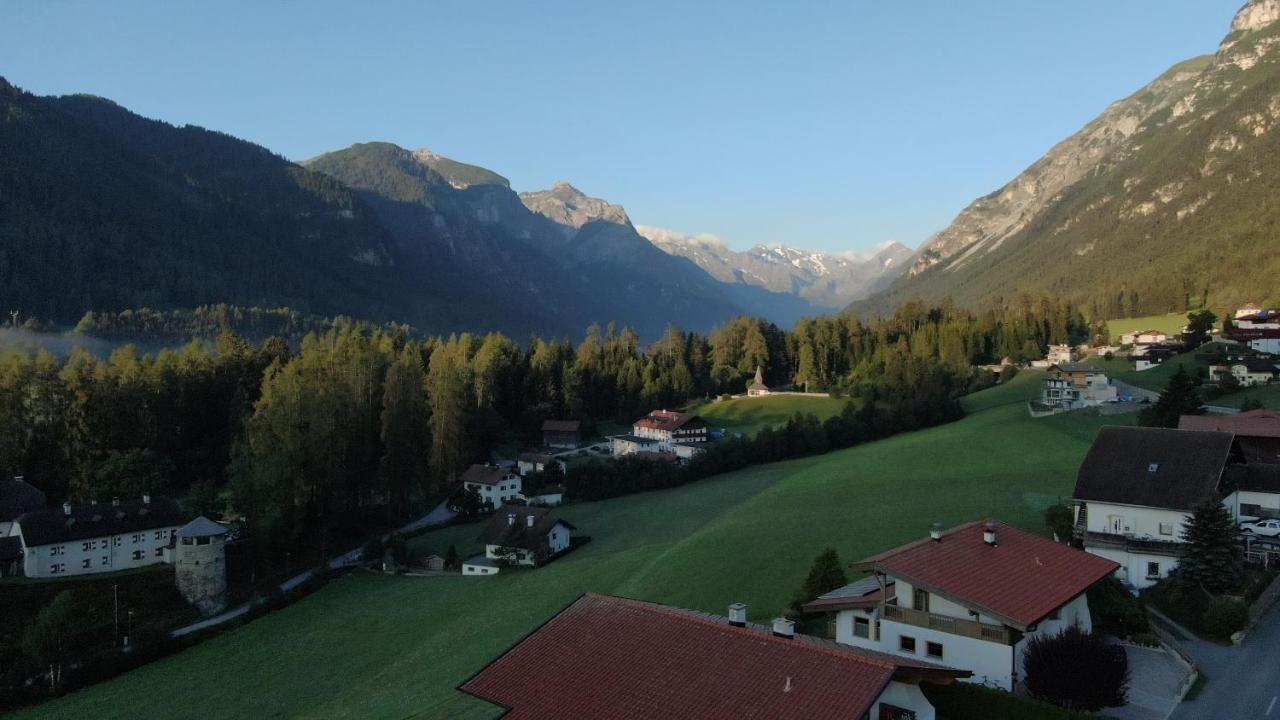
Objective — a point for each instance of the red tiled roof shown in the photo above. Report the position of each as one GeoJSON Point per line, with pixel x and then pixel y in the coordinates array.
{"type": "Point", "coordinates": [568, 426]}
{"type": "Point", "coordinates": [668, 420]}
{"type": "Point", "coordinates": [1254, 423]}
{"type": "Point", "coordinates": [606, 657]}
{"type": "Point", "coordinates": [1021, 580]}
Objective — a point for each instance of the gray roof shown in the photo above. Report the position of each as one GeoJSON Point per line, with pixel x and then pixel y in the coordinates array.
{"type": "Point", "coordinates": [1074, 367]}
{"type": "Point", "coordinates": [202, 527]}
{"type": "Point", "coordinates": [1155, 467]}
{"type": "Point", "coordinates": [17, 498]}
{"type": "Point", "coordinates": [52, 525]}
{"type": "Point", "coordinates": [857, 588]}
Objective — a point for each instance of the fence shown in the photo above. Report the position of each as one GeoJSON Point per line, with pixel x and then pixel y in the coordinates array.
{"type": "Point", "coordinates": [1264, 602]}
{"type": "Point", "coordinates": [1173, 644]}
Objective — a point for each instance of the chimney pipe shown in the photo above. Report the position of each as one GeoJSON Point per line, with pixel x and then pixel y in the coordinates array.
{"type": "Point", "coordinates": [511, 518]}
{"type": "Point", "coordinates": [531, 518]}
{"type": "Point", "coordinates": [989, 534]}
{"type": "Point", "coordinates": [146, 498]}
{"type": "Point", "coordinates": [19, 478]}
{"type": "Point", "coordinates": [66, 508]}
{"type": "Point", "coordinates": [784, 628]}
{"type": "Point", "coordinates": [738, 614]}
{"type": "Point", "coordinates": [935, 532]}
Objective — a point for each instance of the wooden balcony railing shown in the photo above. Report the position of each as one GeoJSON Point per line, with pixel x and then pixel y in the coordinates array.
{"type": "Point", "coordinates": [955, 626]}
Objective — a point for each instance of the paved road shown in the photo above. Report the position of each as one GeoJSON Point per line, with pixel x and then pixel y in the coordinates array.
{"type": "Point", "coordinates": [439, 516]}
{"type": "Point", "coordinates": [1244, 682]}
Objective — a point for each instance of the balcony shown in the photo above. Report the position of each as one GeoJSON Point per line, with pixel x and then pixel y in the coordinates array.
{"type": "Point", "coordinates": [942, 623]}
{"type": "Point", "coordinates": [1149, 546]}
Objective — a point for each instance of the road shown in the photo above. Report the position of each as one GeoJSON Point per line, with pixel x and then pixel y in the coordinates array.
{"type": "Point", "coordinates": [1243, 682]}
{"type": "Point", "coordinates": [439, 516]}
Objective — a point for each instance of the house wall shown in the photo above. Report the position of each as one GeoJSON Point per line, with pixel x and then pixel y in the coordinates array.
{"type": "Point", "coordinates": [468, 569]}
{"type": "Point", "coordinates": [1133, 565]}
{"type": "Point", "coordinates": [103, 554]}
{"type": "Point", "coordinates": [498, 494]}
{"type": "Point", "coordinates": [907, 697]}
{"type": "Point", "coordinates": [991, 663]}
{"type": "Point", "coordinates": [498, 552]}
{"type": "Point", "coordinates": [558, 538]}
{"type": "Point", "coordinates": [200, 572]}
{"type": "Point", "coordinates": [1141, 522]}
{"type": "Point", "coordinates": [1268, 504]}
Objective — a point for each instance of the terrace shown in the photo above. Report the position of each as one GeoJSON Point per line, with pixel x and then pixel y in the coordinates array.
{"type": "Point", "coordinates": [955, 626]}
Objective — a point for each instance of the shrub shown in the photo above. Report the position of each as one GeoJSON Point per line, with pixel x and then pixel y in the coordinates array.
{"type": "Point", "coordinates": [1117, 611]}
{"type": "Point", "coordinates": [1076, 670]}
{"type": "Point", "coordinates": [967, 701]}
{"type": "Point", "coordinates": [1060, 521]}
{"type": "Point", "coordinates": [1224, 616]}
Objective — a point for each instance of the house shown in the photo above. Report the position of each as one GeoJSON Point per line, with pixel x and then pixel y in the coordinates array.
{"type": "Point", "coordinates": [970, 598]}
{"type": "Point", "coordinates": [96, 538]}
{"type": "Point", "coordinates": [1136, 488]}
{"type": "Point", "coordinates": [17, 497]}
{"type": "Point", "coordinates": [757, 388]}
{"type": "Point", "coordinates": [495, 485]}
{"type": "Point", "coordinates": [479, 565]}
{"type": "Point", "coordinates": [566, 434]}
{"type": "Point", "coordinates": [1247, 310]}
{"type": "Point", "coordinates": [1257, 490]}
{"type": "Point", "coordinates": [1257, 431]}
{"type": "Point", "coordinates": [1059, 354]}
{"type": "Point", "coordinates": [525, 535]}
{"type": "Point", "coordinates": [1072, 386]}
{"type": "Point", "coordinates": [549, 495]}
{"type": "Point", "coordinates": [527, 463]}
{"type": "Point", "coordinates": [1153, 356]}
{"type": "Point", "coordinates": [433, 562]}
{"type": "Point", "coordinates": [1252, 371]}
{"type": "Point", "coordinates": [612, 657]}
{"type": "Point", "coordinates": [663, 431]}
{"type": "Point", "coordinates": [1257, 328]}
{"type": "Point", "coordinates": [1144, 337]}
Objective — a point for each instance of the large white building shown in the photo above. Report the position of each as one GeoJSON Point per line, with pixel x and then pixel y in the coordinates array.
{"type": "Point", "coordinates": [495, 485]}
{"type": "Point", "coordinates": [1071, 386]}
{"type": "Point", "coordinates": [969, 598]}
{"type": "Point", "coordinates": [96, 538]}
{"type": "Point", "coordinates": [663, 431]}
{"type": "Point", "coordinates": [1138, 486]}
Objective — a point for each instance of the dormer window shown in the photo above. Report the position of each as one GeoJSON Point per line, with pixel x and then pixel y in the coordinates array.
{"type": "Point", "coordinates": [1153, 467]}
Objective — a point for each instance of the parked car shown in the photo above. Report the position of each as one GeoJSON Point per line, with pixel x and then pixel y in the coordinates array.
{"type": "Point", "coordinates": [1265, 528]}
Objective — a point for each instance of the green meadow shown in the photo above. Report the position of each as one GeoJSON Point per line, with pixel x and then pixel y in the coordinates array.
{"type": "Point", "coordinates": [749, 415]}
{"type": "Point", "coordinates": [369, 645]}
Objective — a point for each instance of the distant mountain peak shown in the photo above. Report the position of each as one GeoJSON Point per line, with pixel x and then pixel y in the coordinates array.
{"type": "Point", "coordinates": [460, 175]}
{"type": "Point", "coordinates": [566, 205]}
{"type": "Point", "coordinates": [1256, 14]}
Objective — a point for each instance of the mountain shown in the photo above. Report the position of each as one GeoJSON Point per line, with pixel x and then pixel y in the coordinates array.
{"type": "Point", "coordinates": [101, 209]}
{"type": "Point", "coordinates": [465, 233]}
{"type": "Point", "coordinates": [823, 280]}
{"type": "Point", "coordinates": [1165, 199]}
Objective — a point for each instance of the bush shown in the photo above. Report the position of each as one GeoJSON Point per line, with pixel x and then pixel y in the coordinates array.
{"type": "Point", "coordinates": [1076, 670]}
{"type": "Point", "coordinates": [1224, 617]}
{"type": "Point", "coordinates": [1060, 520]}
{"type": "Point", "coordinates": [967, 701]}
{"type": "Point", "coordinates": [1116, 611]}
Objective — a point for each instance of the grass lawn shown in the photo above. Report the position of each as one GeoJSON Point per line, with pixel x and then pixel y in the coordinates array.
{"type": "Point", "coordinates": [749, 415]}
{"type": "Point", "coordinates": [1169, 324]}
{"type": "Point", "coordinates": [394, 647]}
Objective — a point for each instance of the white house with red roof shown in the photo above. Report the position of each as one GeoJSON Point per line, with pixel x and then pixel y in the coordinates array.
{"type": "Point", "coordinates": [607, 657]}
{"type": "Point", "coordinates": [665, 431]}
{"type": "Point", "coordinates": [968, 598]}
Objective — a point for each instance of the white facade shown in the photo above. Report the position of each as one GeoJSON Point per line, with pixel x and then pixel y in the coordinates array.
{"type": "Point", "coordinates": [1062, 354]}
{"type": "Point", "coordinates": [1072, 392]}
{"type": "Point", "coordinates": [95, 555]}
{"type": "Point", "coordinates": [479, 566]}
{"type": "Point", "coordinates": [497, 493]}
{"type": "Point", "coordinates": [905, 696]}
{"type": "Point", "coordinates": [1250, 378]}
{"type": "Point", "coordinates": [995, 661]}
{"type": "Point", "coordinates": [557, 541]}
{"type": "Point", "coordinates": [1142, 539]}
{"type": "Point", "coordinates": [1251, 504]}
{"type": "Point", "coordinates": [627, 444]}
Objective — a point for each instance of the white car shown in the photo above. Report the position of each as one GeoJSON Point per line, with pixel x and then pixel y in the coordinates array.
{"type": "Point", "coordinates": [1265, 528]}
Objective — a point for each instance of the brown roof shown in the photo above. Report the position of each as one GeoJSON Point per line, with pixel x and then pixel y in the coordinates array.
{"type": "Point", "coordinates": [509, 527]}
{"type": "Point", "coordinates": [566, 426]}
{"type": "Point", "coordinates": [608, 657]}
{"type": "Point", "coordinates": [485, 474]}
{"type": "Point", "coordinates": [1020, 580]}
{"type": "Point", "coordinates": [1254, 423]}
{"type": "Point", "coordinates": [1154, 467]}
{"type": "Point", "coordinates": [668, 420]}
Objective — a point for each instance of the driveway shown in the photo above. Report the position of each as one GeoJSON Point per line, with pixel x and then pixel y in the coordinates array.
{"type": "Point", "coordinates": [1243, 682]}
{"type": "Point", "coordinates": [1155, 676]}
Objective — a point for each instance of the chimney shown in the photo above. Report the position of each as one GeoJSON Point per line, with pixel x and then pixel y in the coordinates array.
{"type": "Point", "coordinates": [66, 508]}
{"type": "Point", "coordinates": [935, 532]}
{"type": "Point", "coordinates": [531, 519]}
{"type": "Point", "coordinates": [989, 534]}
{"type": "Point", "coordinates": [784, 628]}
{"type": "Point", "coordinates": [511, 518]}
{"type": "Point", "coordinates": [146, 498]}
{"type": "Point", "coordinates": [738, 614]}
{"type": "Point", "coordinates": [18, 478]}
{"type": "Point", "coordinates": [115, 501]}
{"type": "Point", "coordinates": [93, 501]}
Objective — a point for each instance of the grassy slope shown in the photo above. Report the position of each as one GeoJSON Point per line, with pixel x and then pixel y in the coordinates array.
{"type": "Point", "coordinates": [375, 646]}
{"type": "Point", "coordinates": [1156, 378]}
{"type": "Point", "coordinates": [750, 415]}
{"type": "Point", "coordinates": [1170, 324]}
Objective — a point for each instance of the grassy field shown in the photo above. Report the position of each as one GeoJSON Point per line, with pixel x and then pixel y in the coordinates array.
{"type": "Point", "coordinates": [1156, 378]}
{"type": "Point", "coordinates": [395, 647]}
{"type": "Point", "coordinates": [750, 415]}
{"type": "Point", "coordinates": [1170, 324]}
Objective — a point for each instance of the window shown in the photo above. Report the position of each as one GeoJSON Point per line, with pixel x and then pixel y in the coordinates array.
{"type": "Point", "coordinates": [1153, 467]}
{"type": "Point", "coordinates": [1153, 570]}
{"type": "Point", "coordinates": [906, 644]}
{"type": "Point", "coordinates": [933, 650]}
{"type": "Point", "coordinates": [86, 546]}
{"type": "Point", "coordinates": [137, 538]}
{"type": "Point", "coordinates": [159, 552]}
{"type": "Point", "coordinates": [137, 554]}
{"type": "Point", "coordinates": [85, 564]}
{"type": "Point", "coordinates": [862, 627]}
{"type": "Point", "coordinates": [58, 550]}
{"type": "Point", "coordinates": [105, 561]}
{"type": "Point", "coordinates": [1166, 528]}
{"type": "Point", "coordinates": [920, 599]}
{"type": "Point", "coordinates": [159, 534]}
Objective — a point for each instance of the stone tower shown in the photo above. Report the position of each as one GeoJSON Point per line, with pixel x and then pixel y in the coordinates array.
{"type": "Point", "coordinates": [200, 564]}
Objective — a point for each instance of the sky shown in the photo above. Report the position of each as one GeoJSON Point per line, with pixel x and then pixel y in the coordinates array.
{"type": "Point", "coordinates": [823, 125]}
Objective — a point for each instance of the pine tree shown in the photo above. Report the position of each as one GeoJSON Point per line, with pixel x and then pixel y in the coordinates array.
{"type": "Point", "coordinates": [1180, 397]}
{"type": "Point", "coordinates": [1209, 555]}
{"type": "Point", "coordinates": [826, 575]}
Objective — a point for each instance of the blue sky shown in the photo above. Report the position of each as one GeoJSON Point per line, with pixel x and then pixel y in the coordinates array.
{"type": "Point", "coordinates": [822, 125]}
